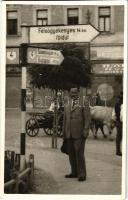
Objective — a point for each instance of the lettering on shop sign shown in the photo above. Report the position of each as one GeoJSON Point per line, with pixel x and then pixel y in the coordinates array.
{"type": "Point", "coordinates": [60, 34]}
{"type": "Point", "coordinates": [113, 68]}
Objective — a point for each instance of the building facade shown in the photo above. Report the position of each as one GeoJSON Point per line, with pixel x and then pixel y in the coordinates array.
{"type": "Point", "coordinates": [105, 51]}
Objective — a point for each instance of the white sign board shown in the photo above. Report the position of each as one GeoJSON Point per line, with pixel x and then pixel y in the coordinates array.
{"type": "Point", "coordinates": [107, 52]}
{"type": "Point", "coordinates": [62, 34]}
{"type": "Point", "coordinates": [105, 91]}
{"type": "Point", "coordinates": [12, 55]}
{"type": "Point", "coordinates": [44, 56]}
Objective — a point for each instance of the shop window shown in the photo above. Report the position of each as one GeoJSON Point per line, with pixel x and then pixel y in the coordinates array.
{"type": "Point", "coordinates": [42, 17]}
{"type": "Point", "coordinates": [104, 19]}
{"type": "Point", "coordinates": [72, 16]}
{"type": "Point", "coordinates": [12, 22]}
{"type": "Point", "coordinates": [13, 69]}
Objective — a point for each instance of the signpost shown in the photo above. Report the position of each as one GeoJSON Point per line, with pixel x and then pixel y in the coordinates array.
{"type": "Point", "coordinates": [62, 34]}
{"type": "Point", "coordinates": [57, 34]}
{"type": "Point", "coordinates": [33, 55]}
{"type": "Point", "coordinates": [44, 56]}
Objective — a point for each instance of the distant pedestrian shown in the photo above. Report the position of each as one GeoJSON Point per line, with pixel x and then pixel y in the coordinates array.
{"type": "Point", "coordinates": [75, 131]}
{"type": "Point", "coordinates": [60, 102]}
{"type": "Point", "coordinates": [98, 100]}
{"type": "Point", "coordinates": [118, 113]}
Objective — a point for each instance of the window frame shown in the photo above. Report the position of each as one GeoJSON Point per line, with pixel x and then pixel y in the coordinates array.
{"type": "Point", "coordinates": [72, 17]}
{"type": "Point", "coordinates": [38, 18]}
{"type": "Point", "coordinates": [10, 11]}
{"type": "Point", "coordinates": [104, 18]}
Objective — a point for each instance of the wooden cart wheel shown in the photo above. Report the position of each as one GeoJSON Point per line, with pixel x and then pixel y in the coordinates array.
{"type": "Point", "coordinates": [32, 127]}
{"type": "Point", "coordinates": [48, 131]}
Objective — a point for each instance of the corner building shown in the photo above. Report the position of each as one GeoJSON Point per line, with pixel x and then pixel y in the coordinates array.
{"type": "Point", "coordinates": [105, 51]}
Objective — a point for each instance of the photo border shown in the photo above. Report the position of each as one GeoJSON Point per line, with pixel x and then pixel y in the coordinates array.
{"type": "Point", "coordinates": [2, 102]}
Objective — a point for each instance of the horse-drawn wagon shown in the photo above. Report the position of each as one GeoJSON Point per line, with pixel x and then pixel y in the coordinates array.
{"type": "Point", "coordinates": [43, 121]}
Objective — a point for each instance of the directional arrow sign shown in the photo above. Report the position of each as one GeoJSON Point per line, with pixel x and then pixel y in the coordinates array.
{"type": "Point", "coordinates": [12, 55]}
{"type": "Point", "coordinates": [44, 56]}
{"type": "Point", "coordinates": [62, 34]}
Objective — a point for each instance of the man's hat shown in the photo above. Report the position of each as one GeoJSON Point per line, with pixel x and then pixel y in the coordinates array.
{"type": "Point", "coordinates": [74, 91]}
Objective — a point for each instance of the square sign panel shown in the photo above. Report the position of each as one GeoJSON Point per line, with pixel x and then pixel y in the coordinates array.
{"type": "Point", "coordinates": [12, 56]}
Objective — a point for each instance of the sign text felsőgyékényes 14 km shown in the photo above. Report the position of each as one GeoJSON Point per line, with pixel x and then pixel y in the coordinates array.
{"type": "Point", "coordinates": [62, 34]}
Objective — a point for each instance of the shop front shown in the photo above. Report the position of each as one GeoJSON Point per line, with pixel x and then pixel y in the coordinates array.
{"type": "Point", "coordinates": [107, 81]}
{"type": "Point", "coordinates": [107, 70]}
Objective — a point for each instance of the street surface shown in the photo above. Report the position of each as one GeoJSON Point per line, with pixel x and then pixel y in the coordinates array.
{"type": "Point", "coordinates": [103, 166]}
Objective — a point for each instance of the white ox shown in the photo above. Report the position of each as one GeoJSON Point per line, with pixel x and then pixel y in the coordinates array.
{"type": "Point", "coordinates": [101, 116]}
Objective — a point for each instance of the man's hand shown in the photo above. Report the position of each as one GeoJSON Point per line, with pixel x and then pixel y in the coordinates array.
{"type": "Point", "coordinates": [86, 133]}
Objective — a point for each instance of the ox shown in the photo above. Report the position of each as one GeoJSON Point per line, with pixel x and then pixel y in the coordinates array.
{"type": "Point", "coordinates": [100, 117]}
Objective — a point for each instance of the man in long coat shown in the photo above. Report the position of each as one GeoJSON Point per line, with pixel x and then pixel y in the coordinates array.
{"type": "Point", "coordinates": [76, 130]}
{"type": "Point", "coordinates": [119, 123]}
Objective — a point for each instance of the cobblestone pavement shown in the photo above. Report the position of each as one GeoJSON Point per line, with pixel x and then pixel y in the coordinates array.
{"type": "Point", "coordinates": [103, 166]}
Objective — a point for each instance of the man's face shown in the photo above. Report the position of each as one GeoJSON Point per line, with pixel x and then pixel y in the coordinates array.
{"type": "Point", "coordinates": [74, 93]}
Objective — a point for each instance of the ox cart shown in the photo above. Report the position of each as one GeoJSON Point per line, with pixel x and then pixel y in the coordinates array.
{"type": "Point", "coordinates": [43, 121]}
